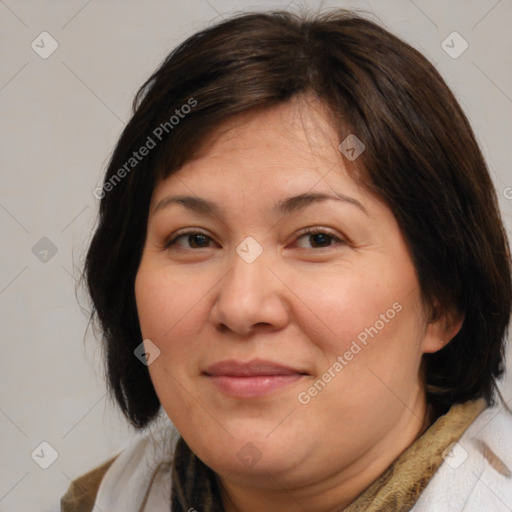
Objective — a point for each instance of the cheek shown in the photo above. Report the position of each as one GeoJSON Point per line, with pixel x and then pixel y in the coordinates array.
{"type": "Point", "coordinates": [375, 323]}
{"type": "Point", "coordinates": [369, 334]}
{"type": "Point", "coordinates": [372, 318]}
{"type": "Point", "coordinates": [172, 312]}
{"type": "Point", "coordinates": [350, 303]}
{"type": "Point", "coordinates": [167, 313]}
{"type": "Point", "coordinates": [166, 306]}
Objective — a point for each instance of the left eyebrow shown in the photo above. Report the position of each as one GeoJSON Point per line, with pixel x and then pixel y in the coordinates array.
{"type": "Point", "coordinates": [292, 204]}
{"type": "Point", "coordinates": [284, 206]}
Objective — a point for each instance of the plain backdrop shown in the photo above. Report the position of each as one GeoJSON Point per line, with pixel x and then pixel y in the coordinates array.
{"type": "Point", "coordinates": [60, 117]}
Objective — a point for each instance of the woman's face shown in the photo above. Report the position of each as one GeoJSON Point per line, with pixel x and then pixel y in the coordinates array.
{"type": "Point", "coordinates": [282, 352]}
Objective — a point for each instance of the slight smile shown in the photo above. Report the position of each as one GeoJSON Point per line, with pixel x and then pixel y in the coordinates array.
{"type": "Point", "coordinates": [251, 379]}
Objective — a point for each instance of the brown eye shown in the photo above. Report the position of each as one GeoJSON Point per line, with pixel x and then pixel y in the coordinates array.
{"type": "Point", "coordinates": [193, 240]}
{"type": "Point", "coordinates": [319, 238]}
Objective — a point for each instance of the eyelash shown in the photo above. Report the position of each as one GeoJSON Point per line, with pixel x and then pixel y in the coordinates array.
{"type": "Point", "coordinates": [311, 231]}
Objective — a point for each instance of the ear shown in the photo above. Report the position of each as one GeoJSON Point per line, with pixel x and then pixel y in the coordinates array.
{"type": "Point", "coordinates": [442, 327]}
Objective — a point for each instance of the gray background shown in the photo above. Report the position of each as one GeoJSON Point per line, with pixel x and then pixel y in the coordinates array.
{"type": "Point", "coordinates": [59, 120]}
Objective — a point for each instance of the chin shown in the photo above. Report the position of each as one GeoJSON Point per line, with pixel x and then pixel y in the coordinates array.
{"type": "Point", "coordinates": [253, 455]}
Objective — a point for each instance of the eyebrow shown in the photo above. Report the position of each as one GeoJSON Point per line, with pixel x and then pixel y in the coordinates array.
{"type": "Point", "coordinates": [284, 206]}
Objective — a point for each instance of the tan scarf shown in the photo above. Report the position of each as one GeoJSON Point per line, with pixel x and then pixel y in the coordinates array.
{"type": "Point", "coordinates": [195, 486]}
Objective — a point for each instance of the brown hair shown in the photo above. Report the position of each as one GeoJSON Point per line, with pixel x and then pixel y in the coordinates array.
{"type": "Point", "coordinates": [421, 158]}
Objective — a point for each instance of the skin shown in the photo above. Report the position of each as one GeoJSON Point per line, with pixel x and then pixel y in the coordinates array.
{"type": "Point", "coordinates": [301, 303]}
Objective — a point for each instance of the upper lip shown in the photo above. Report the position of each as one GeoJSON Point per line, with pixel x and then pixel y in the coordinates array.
{"type": "Point", "coordinates": [233, 368]}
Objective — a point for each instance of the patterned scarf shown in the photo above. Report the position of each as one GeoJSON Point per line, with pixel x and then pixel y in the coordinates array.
{"type": "Point", "coordinates": [195, 487]}
{"type": "Point", "coordinates": [194, 484]}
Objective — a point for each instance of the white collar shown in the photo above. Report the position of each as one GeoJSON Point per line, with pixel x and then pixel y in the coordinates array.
{"type": "Point", "coordinates": [140, 477]}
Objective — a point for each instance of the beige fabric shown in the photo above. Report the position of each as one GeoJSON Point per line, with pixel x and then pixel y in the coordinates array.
{"type": "Point", "coordinates": [81, 494]}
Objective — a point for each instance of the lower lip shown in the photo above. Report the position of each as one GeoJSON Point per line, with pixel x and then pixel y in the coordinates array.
{"type": "Point", "coordinates": [255, 386]}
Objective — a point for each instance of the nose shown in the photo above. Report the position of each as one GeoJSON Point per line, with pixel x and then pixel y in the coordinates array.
{"type": "Point", "coordinates": [250, 297]}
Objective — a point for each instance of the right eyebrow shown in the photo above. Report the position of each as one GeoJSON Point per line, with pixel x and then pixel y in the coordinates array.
{"type": "Point", "coordinates": [192, 203]}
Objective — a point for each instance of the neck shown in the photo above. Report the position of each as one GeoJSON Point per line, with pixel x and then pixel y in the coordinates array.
{"type": "Point", "coordinates": [333, 492]}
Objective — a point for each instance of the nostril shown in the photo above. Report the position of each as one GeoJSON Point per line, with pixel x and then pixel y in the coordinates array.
{"type": "Point", "coordinates": [262, 324]}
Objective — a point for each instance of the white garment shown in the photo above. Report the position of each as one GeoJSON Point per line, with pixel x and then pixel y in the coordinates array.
{"type": "Point", "coordinates": [466, 481]}
{"type": "Point", "coordinates": [142, 468]}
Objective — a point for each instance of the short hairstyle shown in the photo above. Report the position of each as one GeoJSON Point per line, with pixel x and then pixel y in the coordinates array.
{"type": "Point", "coordinates": [421, 159]}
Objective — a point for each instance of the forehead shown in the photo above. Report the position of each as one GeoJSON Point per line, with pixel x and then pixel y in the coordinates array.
{"type": "Point", "coordinates": [291, 143]}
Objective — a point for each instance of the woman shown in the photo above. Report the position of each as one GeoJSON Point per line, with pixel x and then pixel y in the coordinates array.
{"type": "Point", "coordinates": [301, 261]}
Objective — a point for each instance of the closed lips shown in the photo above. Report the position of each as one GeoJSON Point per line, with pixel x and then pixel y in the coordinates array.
{"type": "Point", "coordinates": [255, 379]}
{"type": "Point", "coordinates": [233, 368]}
